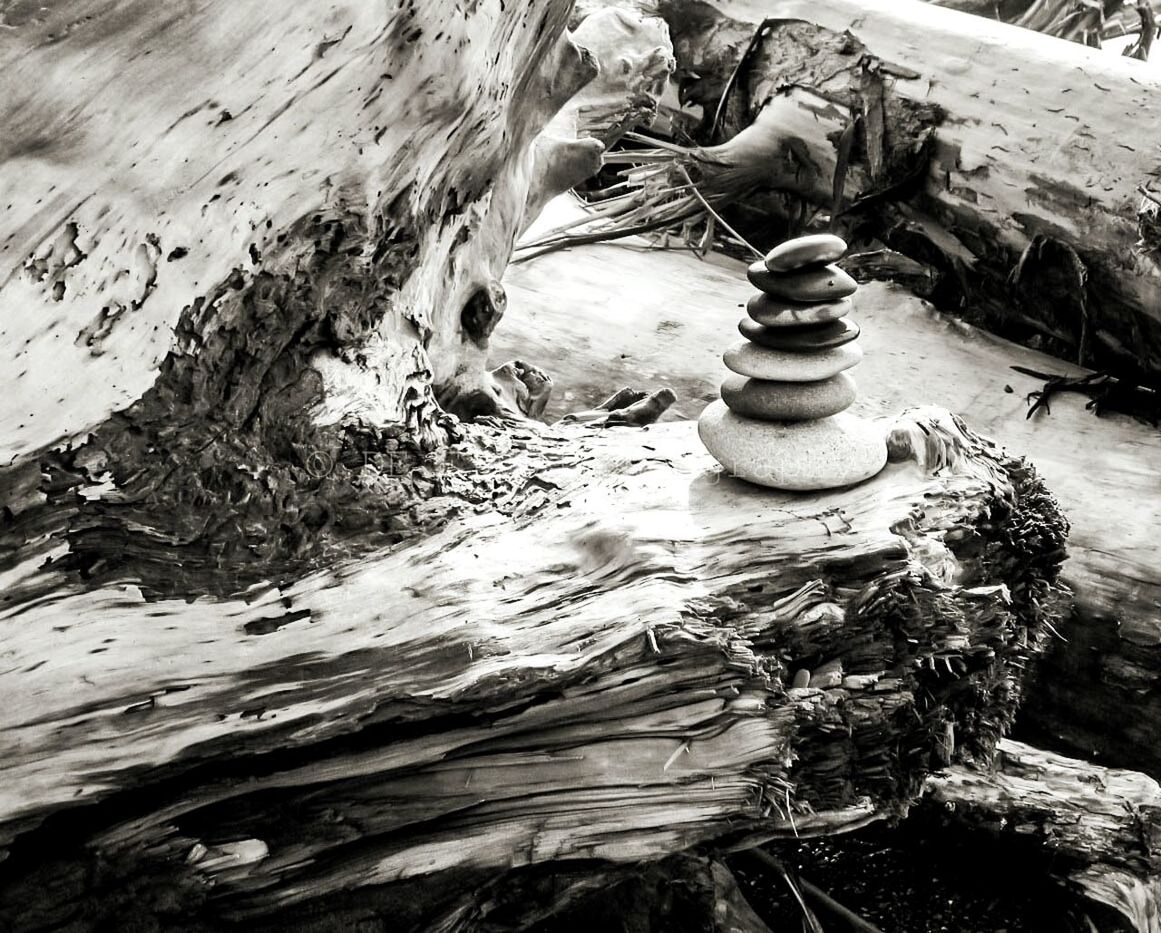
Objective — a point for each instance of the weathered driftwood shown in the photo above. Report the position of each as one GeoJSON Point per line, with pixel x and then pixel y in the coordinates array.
{"type": "Point", "coordinates": [1010, 162]}
{"type": "Point", "coordinates": [206, 204]}
{"type": "Point", "coordinates": [1099, 829]}
{"type": "Point", "coordinates": [290, 181]}
{"type": "Point", "coordinates": [1074, 20]}
{"type": "Point", "coordinates": [622, 314]}
{"type": "Point", "coordinates": [230, 306]}
{"type": "Point", "coordinates": [245, 248]}
{"type": "Point", "coordinates": [604, 673]}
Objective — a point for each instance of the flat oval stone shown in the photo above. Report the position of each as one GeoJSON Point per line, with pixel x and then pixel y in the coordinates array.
{"type": "Point", "coordinates": [805, 251]}
{"type": "Point", "coordinates": [797, 455]}
{"type": "Point", "coordinates": [809, 286]}
{"type": "Point", "coordinates": [747, 359]}
{"type": "Point", "coordinates": [788, 401]}
{"type": "Point", "coordinates": [773, 312]}
{"type": "Point", "coordinates": [800, 339]}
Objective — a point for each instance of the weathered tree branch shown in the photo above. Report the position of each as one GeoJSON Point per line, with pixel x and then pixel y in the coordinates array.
{"type": "Point", "coordinates": [895, 121]}
{"type": "Point", "coordinates": [1100, 828]}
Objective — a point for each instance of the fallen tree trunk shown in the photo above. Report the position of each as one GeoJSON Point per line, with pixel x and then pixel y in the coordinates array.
{"type": "Point", "coordinates": [613, 672]}
{"type": "Point", "coordinates": [898, 121]}
{"type": "Point", "coordinates": [1100, 829]}
{"type": "Point", "coordinates": [613, 315]}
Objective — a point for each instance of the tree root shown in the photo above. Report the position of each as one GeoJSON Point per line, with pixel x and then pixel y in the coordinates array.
{"type": "Point", "coordinates": [1106, 393]}
{"type": "Point", "coordinates": [511, 392]}
{"type": "Point", "coordinates": [627, 407]}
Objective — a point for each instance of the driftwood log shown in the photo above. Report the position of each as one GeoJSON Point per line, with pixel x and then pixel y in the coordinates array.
{"type": "Point", "coordinates": [279, 627]}
{"type": "Point", "coordinates": [1099, 828]}
{"type": "Point", "coordinates": [642, 656]}
{"type": "Point", "coordinates": [1020, 168]}
{"type": "Point", "coordinates": [624, 314]}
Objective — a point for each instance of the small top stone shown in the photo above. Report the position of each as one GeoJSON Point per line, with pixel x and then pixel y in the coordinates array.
{"type": "Point", "coordinates": [809, 286]}
{"type": "Point", "coordinates": [805, 251]}
{"type": "Point", "coordinates": [800, 339]}
{"type": "Point", "coordinates": [774, 312]}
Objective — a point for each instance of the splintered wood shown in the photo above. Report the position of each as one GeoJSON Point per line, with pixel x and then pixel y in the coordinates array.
{"type": "Point", "coordinates": [608, 675]}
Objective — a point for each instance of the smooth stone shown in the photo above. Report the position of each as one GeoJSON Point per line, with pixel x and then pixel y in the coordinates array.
{"type": "Point", "coordinates": [796, 455]}
{"type": "Point", "coordinates": [805, 251]}
{"type": "Point", "coordinates": [773, 312]}
{"type": "Point", "coordinates": [789, 401]}
{"type": "Point", "coordinates": [800, 339]}
{"type": "Point", "coordinates": [748, 359]}
{"type": "Point", "coordinates": [809, 286]}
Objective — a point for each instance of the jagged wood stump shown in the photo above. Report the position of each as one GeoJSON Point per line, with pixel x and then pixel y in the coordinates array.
{"type": "Point", "coordinates": [604, 673]}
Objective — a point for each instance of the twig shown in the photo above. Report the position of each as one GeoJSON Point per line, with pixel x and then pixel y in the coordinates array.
{"type": "Point", "coordinates": [755, 41]}
{"type": "Point", "coordinates": [816, 894]}
{"type": "Point", "coordinates": [1144, 44]}
{"type": "Point", "coordinates": [1145, 192]}
{"type": "Point", "coordinates": [716, 216]}
{"type": "Point", "coordinates": [601, 236]}
{"type": "Point", "coordinates": [1105, 392]}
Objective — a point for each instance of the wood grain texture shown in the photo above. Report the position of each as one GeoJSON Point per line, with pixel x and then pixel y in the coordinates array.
{"type": "Point", "coordinates": [160, 159]}
{"type": "Point", "coordinates": [238, 679]}
{"type": "Point", "coordinates": [1100, 827]}
{"type": "Point", "coordinates": [242, 253]}
{"type": "Point", "coordinates": [611, 315]}
{"type": "Point", "coordinates": [1008, 160]}
{"type": "Point", "coordinates": [602, 674]}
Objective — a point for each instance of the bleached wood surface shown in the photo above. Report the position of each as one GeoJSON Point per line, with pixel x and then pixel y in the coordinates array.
{"type": "Point", "coordinates": [604, 316]}
{"type": "Point", "coordinates": [165, 168]}
{"type": "Point", "coordinates": [1009, 160]}
{"type": "Point", "coordinates": [602, 673]}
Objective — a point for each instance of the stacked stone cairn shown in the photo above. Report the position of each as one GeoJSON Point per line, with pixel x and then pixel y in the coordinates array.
{"type": "Point", "coordinates": [782, 419]}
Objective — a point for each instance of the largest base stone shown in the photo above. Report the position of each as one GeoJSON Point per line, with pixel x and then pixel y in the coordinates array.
{"type": "Point", "coordinates": [825, 454]}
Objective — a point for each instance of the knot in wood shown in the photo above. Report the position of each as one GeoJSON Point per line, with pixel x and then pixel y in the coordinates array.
{"type": "Point", "coordinates": [483, 311]}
